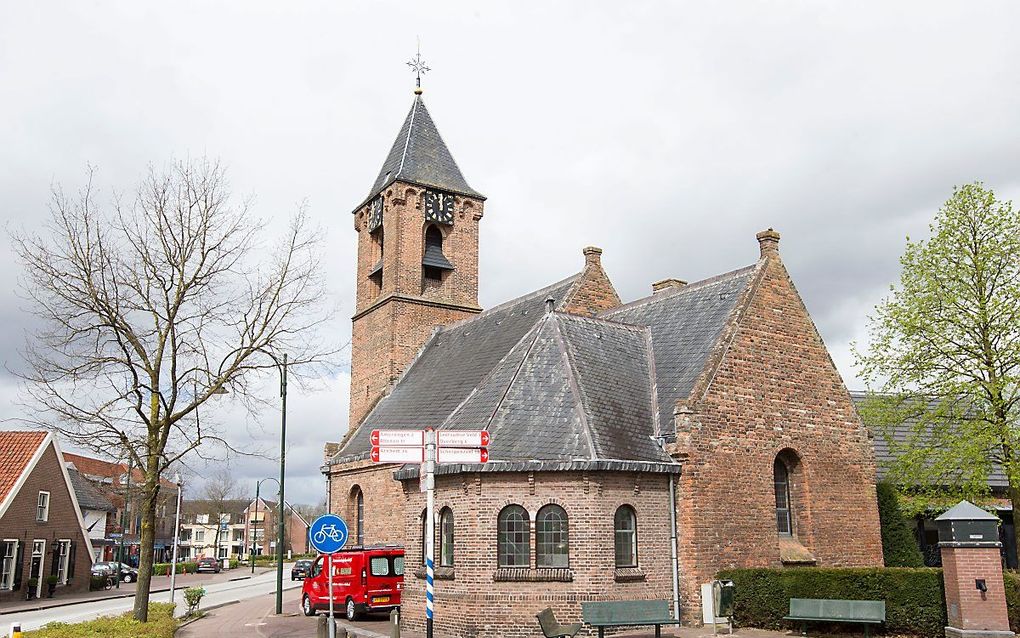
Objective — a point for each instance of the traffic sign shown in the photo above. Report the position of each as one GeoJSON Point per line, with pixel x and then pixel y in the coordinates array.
{"type": "Point", "coordinates": [393, 454]}
{"type": "Point", "coordinates": [462, 455]}
{"type": "Point", "coordinates": [402, 438]}
{"type": "Point", "coordinates": [328, 534]}
{"type": "Point", "coordinates": [463, 438]}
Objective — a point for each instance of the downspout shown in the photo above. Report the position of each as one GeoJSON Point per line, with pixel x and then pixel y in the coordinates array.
{"type": "Point", "coordinates": [672, 539]}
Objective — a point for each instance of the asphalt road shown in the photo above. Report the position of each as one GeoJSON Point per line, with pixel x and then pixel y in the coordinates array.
{"type": "Point", "coordinates": [216, 594]}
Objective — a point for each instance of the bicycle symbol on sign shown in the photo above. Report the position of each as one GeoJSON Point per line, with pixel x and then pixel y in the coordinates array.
{"type": "Point", "coordinates": [328, 531]}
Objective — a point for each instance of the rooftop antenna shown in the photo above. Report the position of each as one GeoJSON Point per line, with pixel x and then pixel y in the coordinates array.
{"type": "Point", "coordinates": [418, 66]}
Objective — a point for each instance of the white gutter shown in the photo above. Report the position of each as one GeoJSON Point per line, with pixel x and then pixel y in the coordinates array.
{"type": "Point", "coordinates": [672, 540]}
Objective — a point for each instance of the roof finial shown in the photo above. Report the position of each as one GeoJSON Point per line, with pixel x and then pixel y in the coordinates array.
{"type": "Point", "coordinates": [418, 66]}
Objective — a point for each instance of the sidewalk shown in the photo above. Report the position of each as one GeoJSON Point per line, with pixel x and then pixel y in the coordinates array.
{"type": "Point", "coordinates": [127, 590]}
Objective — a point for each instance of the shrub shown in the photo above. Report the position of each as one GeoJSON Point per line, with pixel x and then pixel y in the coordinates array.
{"type": "Point", "coordinates": [161, 625]}
{"type": "Point", "coordinates": [899, 547]}
{"type": "Point", "coordinates": [97, 582]}
{"type": "Point", "coordinates": [193, 596]}
{"type": "Point", "coordinates": [1011, 580]}
{"type": "Point", "coordinates": [162, 569]}
{"type": "Point", "coordinates": [914, 598]}
{"type": "Point", "coordinates": [234, 563]}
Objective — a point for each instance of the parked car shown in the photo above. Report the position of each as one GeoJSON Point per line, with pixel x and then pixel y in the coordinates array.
{"type": "Point", "coordinates": [208, 564]}
{"type": "Point", "coordinates": [128, 574]}
{"type": "Point", "coordinates": [365, 579]}
{"type": "Point", "coordinates": [301, 569]}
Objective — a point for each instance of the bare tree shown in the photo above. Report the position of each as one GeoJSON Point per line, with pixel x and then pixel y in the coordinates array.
{"type": "Point", "coordinates": [221, 493]}
{"type": "Point", "coordinates": [149, 308]}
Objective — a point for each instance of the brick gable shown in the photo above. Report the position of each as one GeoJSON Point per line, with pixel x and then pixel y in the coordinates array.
{"type": "Point", "coordinates": [771, 388]}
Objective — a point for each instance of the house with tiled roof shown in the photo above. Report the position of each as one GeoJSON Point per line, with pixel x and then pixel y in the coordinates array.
{"type": "Point", "coordinates": [42, 531]}
{"type": "Point", "coordinates": [96, 510]}
{"type": "Point", "coordinates": [635, 450]}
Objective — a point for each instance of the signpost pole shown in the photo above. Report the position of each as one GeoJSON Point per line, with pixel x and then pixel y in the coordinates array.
{"type": "Point", "coordinates": [329, 579]}
{"type": "Point", "coordinates": [430, 534]}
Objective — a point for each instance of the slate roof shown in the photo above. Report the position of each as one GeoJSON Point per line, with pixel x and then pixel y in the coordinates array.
{"type": "Point", "coordinates": [901, 433]}
{"type": "Point", "coordinates": [88, 495]}
{"type": "Point", "coordinates": [420, 156]}
{"type": "Point", "coordinates": [685, 324]}
{"type": "Point", "coordinates": [557, 389]}
{"type": "Point", "coordinates": [16, 450]}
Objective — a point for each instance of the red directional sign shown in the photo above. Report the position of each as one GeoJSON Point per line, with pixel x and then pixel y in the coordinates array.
{"type": "Point", "coordinates": [402, 438]}
{"type": "Point", "coordinates": [394, 454]}
{"type": "Point", "coordinates": [462, 438]}
{"type": "Point", "coordinates": [462, 455]}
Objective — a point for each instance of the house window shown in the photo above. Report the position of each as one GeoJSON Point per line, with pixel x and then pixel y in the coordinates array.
{"type": "Point", "coordinates": [202, 519]}
{"type": "Point", "coordinates": [42, 511]}
{"type": "Point", "coordinates": [7, 563]}
{"type": "Point", "coordinates": [551, 546]}
{"type": "Point", "coordinates": [63, 554]}
{"type": "Point", "coordinates": [424, 537]}
{"type": "Point", "coordinates": [784, 505]}
{"type": "Point", "coordinates": [446, 537]}
{"type": "Point", "coordinates": [199, 535]}
{"type": "Point", "coordinates": [361, 517]}
{"type": "Point", "coordinates": [625, 523]}
{"type": "Point", "coordinates": [513, 538]}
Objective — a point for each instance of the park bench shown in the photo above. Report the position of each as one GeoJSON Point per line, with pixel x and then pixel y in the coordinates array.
{"type": "Point", "coordinates": [627, 613]}
{"type": "Point", "coordinates": [865, 612]}
{"type": "Point", "coordinates": [551, 628]}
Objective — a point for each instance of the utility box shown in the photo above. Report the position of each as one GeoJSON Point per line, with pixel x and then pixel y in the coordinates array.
{"type": "Point", "coordinates": [722, 598]}
{"type": "Point", "coordinates": [968, 525]}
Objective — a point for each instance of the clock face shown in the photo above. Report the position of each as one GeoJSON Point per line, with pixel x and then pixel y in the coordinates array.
{"type": "Point", "coordinates": [438, 207]}
{"type": "Point", "coordinates": [375, 214]}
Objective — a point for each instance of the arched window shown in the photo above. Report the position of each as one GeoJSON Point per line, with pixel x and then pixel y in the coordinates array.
{"type": "Point", "coordinates": [446, 537]}
{"type": "Point", "coordinates": [361, 517]}
{"type": "Point", "coordinates": [625, 524]}
{"type": "Point", "coordinates": [552, 549]}
{"type": "Point", "coordinates": [513, 547]}
{"type": "Point", "coordinates": [784, 505]}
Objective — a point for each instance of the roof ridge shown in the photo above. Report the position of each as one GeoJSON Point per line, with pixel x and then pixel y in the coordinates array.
{"type": "Point", "coordinates": [676, 292]}
{"type": "Point", "coordinates": [575, 388]}
{"type": "Point", "coordinates": [507, 304]}
{"type": "Point", "coordinates": [407, 140]}
{"type": "Point", "coordinates": [474, 391]}
{"type": "Point", "coordinates": [609, 323]}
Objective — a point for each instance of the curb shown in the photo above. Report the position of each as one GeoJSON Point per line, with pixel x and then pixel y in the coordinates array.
{"type": "Point", "coordinates": [23, 610]}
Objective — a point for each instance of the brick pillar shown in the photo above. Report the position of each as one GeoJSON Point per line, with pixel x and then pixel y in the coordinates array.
{"type": "Point", "coordinates": [972, 571]}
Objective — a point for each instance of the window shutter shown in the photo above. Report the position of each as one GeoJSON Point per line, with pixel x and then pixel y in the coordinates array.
{"type": "Point", "coordinates": [70, 560]}
{"type": "Point", "coordinates": [18, 566]}
{"type": "Point", "coordinates": [54, 558]}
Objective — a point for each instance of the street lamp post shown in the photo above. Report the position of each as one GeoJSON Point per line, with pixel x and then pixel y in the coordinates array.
{"type": "Point", "coordinates": [124, 520]}
{"type": "Point", "coordinates": [177, 532]}
{"type": "Point", "coordinates": [281, 510]}
{"type": "Point", "coordinates": [254, 536]}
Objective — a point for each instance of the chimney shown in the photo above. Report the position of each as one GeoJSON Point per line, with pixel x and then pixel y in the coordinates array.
{"type": "Point", "coordinates": [592, 256]}
{"type": "Point", "coordinates": [549, 304]}
{"type": "Point", "coordinates": [768, 241]}
{"type": "Point", "coordinates": [667, 284]}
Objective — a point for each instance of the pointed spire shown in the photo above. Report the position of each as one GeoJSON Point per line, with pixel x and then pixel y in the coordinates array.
{"type": "Point", "coordinates": [419, 156]}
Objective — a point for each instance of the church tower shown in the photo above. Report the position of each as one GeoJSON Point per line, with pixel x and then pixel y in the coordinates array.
{"type": "Point", "coordinates": [417, 257]}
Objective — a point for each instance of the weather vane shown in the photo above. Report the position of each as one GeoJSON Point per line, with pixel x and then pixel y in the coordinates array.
{"type": "Point", "coordinates": [418, 66]}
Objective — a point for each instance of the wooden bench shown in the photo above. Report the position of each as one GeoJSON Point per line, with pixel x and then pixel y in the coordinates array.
{"type": "Point", "coordinates": [865, 612]}
{"type": "Point", "coordinates": [627, 613]}
{"type": "Point", "coordinates": [551, 628]}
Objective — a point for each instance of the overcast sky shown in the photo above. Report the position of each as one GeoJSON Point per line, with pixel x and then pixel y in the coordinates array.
{"type": "Point", "coordinates": [666, 133]}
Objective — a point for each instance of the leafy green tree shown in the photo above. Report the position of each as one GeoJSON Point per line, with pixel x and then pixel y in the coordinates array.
{"type": "Point", "coordinates": [945, 351]}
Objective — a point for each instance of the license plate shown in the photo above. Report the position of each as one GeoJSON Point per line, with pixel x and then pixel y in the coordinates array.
{"type": "Point", "coordinates": [381, 599]}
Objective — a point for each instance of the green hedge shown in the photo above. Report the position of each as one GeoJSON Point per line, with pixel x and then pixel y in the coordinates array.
{"type": "Point", "coordinates": [161, 625]}
{"type": "Point", "coordinates": [914, 598]}
{"type": "Point", "coordinates": [162, 569]}
{"type": "Point", "coordinates": [899, 546]}
{"type": "Point", "coordinates": [1011, 580]}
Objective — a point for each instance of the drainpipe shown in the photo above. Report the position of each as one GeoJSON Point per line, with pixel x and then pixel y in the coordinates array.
{"type": "Point", "coordinates": [672, 540]}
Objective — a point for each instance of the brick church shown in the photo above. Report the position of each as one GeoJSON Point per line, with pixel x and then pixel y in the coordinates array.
{"type": "Point", "coordinates": [636, 448]}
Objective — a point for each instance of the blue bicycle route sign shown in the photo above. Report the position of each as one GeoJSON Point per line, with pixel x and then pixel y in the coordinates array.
{"type": "Point", "coordinates": [328, 533]}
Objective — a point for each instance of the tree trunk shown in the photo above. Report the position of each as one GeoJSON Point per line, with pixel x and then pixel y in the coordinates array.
{"type": "Point", "coordinates": [1014, 499]}
{"type": "Point", "coordinates": [151, 495]}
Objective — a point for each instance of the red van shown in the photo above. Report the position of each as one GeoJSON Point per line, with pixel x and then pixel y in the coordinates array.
{"type": "Point", "coordinates": [365, 579]}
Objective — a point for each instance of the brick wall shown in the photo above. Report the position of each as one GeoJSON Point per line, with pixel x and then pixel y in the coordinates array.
{"type": "Point", "coordinates": [969, 608]}
{"type": "Point", "coordinates": [774, 388]}
{"type": "Point", "coordinates": [62, 524]}
{"type": "Point", "coordinates": [475, 602]}
{"type": "Point", "coordinates": [383, 498]}
{"type": "Point", "coordinates": [393, 321]}
{"type": "Point", "coordinates": [594, 291]}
